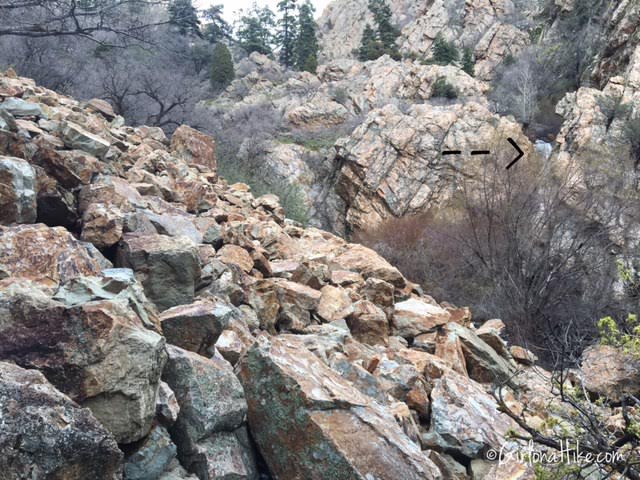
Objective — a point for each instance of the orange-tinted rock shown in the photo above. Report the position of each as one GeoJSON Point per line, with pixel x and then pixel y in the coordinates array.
{"type": "Point", "coordinates": [194, 147]}
{"type": "Point", "coordinates": [298, 407]}
{"type": "Point", "coordinates": [234, 255]}
{"type": "Point", "coordinates": [48, 256]}
{"type": "Point", "coordinates": [368, 323]}
{"type": "Point", "coordinates": [609, 372]}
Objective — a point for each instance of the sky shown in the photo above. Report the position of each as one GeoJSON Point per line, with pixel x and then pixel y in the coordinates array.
{"type": "Point", "coordinates": [231, 6]}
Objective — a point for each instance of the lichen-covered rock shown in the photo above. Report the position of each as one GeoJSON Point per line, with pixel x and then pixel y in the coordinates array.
{"type": "Point", "coordinates": [167, 267]}
{"type": "Point", "coordinates": [222, 456]}
{"type": "Point", "coordinates": [17, 191]}
{"type": "Point", "coordinates": [98, 353]}
{"type": "Point", "coordinates": [310, 423]}
{"type": "Point", "coordinates": [209, 394]}
{"type": "Point", "coordinates": [151, 457]}
{"type": "Point", "coordinates": [47, 435]}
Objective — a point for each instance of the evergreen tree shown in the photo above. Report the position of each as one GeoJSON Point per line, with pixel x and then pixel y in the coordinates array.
{"type": "Point", "coordinates": [444, 52]}
{"type": "Point", "coordinates": [215, 28]}
{"type": "Point", "coordinates": [254, 30]}
{"type": "Point", "coordinates": [468, 62]}
{"type": "Point", "coordinates": [381, 40]}
{"type": "Point", "coordinates": [184, 15]}
{"type": "Point", "coordinates": [222, 72]}
{"type": "Point", "coordinates": [306, 47]}
{"type": "Point", "coordinates": [387, 32]}
{"type": "Point", "coordinates": [369, 45]}
{"type": "Point", "coordinates": [287, 32]}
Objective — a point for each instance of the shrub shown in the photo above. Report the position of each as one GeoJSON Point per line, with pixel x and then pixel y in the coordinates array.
{"type": "Point", "coordinates": [442, 88]}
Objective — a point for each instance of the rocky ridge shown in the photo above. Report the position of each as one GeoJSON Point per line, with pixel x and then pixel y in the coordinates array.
{"type": "Point", "coordinates": [175, 326]}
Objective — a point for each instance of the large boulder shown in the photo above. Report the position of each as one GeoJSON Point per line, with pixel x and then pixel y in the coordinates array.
{"type": "Point", "coordinates": [308, 422]}
{"type": "Point", "coordinates": [47, 256]}
{"type": "Point", "coordinates": [610, 372]}
{"type": "Point", "coordinates": [196, 327]}
{"type": "Point", "coordinates": [78, 138]}
{"type": "Point", "coordinates": [47, 435]}
{"type": "Point", "coordinates": [98, 353]}
{"type": "Point", "coordinates": [414, 317]}
{"type": "Point", "coordinates": [167, 267]}
{"type": "Point", "coordinates": [17, 191]}
{"type": "Point", "coordinates": [368, 263]}
{"type": "Point", "coordinates": [211, 403]}
{"type": "Point", "coordinates": [194, 147]}
{"type": "Point", "coordinates": [482, 362]}
{"type": "Point", "coordinates": [464, 419]}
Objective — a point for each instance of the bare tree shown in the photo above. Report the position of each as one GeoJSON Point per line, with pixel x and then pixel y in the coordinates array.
{"type": "Point", "coordinates": [104, 21]}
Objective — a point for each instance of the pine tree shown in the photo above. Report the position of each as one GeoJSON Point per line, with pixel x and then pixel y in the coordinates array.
{"type": "Point", "coordinates": [254, 30]}
{"type": "Point", "coordinates": [215, 28]}
{"type": "Point", "coordinates": [382, 40]}
{"type": "Point", "coordinates": [368, 45]}
{"type": "Point", "coordinates": [387, 32]}
{"type": "Point", "coordinates": [287, 32]}
{"type": "Point", "coordinates": [306, 45]}
{"type": "Point", "coordinates": [184, 15]}
{"type": "Point", "coordinates": [468, 62]}
{"type": "Point", "coordinates": [444, 52]}
{"type": "Point", "coordinates": [222, 72]}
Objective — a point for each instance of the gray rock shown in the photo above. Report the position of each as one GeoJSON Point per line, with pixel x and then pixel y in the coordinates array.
{"type": "Point", "coordinates": [46, 435]}
{"type": "Point", "coordinates": [115, 283]}
{"type": "Point", "coordinates": [209, 394]}
{"type": "Point", "coordinates": [152, 457]}
{"type": "Point", "coordinates": [167, 267]}
{"type": "Point", "coordinates": [21, 108]}
{"type": "Point", "coordinates": [18, 203]}
{"type": "Point", "coordinates": [220, 457]}
{"type": "Point", "coordinates": [78, 138]}
{"type": "Point", "coordinates": [167, 408]}
{"type": "Point", "coordinates": [464, 419]}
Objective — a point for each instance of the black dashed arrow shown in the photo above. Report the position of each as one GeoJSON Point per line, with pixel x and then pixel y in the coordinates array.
{"type": "Point", "coordinates": [520, 152]}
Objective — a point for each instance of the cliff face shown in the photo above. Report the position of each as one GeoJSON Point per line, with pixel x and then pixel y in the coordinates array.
{"type": "Point", "coordinates": [484, 25]}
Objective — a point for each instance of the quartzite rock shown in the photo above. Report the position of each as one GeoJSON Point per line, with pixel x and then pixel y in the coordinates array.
{"type": "Point", "coordinates": [167, 267]}
{"type": "Point", "coordinates": [47, 435]}
{"type": "Point", "coordinates": [310, 423]}
{"type": "Point", "coordinates": [47, 256]}
{"type": "Point", "coordinates": [196, 327]}
{"type": "Point", "coordinates": [17, 191]}
{"type": "Point", "coordinates": [98, 353]}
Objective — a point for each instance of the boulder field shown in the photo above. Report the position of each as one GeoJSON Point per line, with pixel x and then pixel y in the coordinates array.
{"type": "Point", "coordinates": [158, 323]}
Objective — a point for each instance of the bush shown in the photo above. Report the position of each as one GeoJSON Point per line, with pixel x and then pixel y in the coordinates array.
{"type": "Point", "coordinates": [512, 248]}
{"type": "Point", "coordinates": [442, 88]}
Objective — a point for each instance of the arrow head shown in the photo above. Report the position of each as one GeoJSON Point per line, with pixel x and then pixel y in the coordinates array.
{"type": "Point", "coordinates": [519, 150]}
